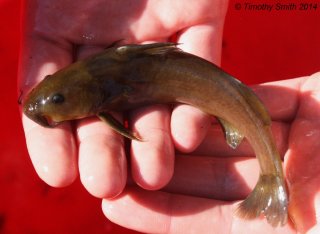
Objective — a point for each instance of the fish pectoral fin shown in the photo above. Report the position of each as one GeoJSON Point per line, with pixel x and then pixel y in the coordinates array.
{"type": "Point", "coordinates": [118, 127]}
{"type": "Point", "coordinates": [233, 136]}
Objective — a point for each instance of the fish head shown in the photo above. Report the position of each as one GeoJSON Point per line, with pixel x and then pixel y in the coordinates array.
{"type": "Point", "coordinates": [66, 95]}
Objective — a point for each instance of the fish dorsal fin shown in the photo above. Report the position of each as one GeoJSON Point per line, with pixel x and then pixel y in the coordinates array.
{"type": "Point", "coordinates": [233, 136]}
{"type": "Point", "coordinates": [151, 49]}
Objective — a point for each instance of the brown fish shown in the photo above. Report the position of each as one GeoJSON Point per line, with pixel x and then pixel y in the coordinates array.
{"type": "Point", "coordinates": [126, 77]}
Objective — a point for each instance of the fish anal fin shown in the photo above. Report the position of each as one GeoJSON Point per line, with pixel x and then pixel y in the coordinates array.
{"type": "Point", "coordinates": [152, 49]}
{"type": "Point", "coordinates": [269, 197]}
{"type": "Point", "coordinates": [233, 136]}
{"type": "Point", "coordinates": [118, 127]}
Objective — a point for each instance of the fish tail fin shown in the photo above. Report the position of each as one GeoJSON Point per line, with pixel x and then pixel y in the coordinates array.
{"type": "Point", "coordinates": [269, 197]}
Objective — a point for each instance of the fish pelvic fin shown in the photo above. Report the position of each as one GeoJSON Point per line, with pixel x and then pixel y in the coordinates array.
{"type": "Point", "coordinates": [118, 127]}
{"type": "Point", "coordinates": [232, 135]}
{"type": "Point", "coordinates": [151, 49]}
{"type": "Point", "coordinates": [269, 198]}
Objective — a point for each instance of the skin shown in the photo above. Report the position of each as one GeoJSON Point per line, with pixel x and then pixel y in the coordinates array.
{"type": "Point", "coordinates": [123, 78]}
{"type": "Point", "coordinates": [99, 154]}
{"type": "Point", "coordinates": [300, 103]}
{"type": "Point", "coordinates": [43, 32]}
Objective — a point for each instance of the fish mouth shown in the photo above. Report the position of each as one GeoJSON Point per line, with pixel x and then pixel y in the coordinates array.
{"type": "Point", "coordinates": [45, 121]}
{"type": "Point", "coordinates": [31, 111]}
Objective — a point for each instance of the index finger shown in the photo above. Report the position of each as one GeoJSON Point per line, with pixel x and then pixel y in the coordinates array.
{"type": "Point", "coordinates": [52, 151]}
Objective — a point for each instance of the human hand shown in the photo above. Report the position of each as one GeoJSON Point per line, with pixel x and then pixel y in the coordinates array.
{"type": "Point", "coordinates": [51, 32]}
{"type": "Point", "coordinates": [57, 33]}
{"type": "Point", "coordinates": [203, 193]}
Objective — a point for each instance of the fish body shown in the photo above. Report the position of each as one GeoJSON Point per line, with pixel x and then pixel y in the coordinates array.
{"type": "Point", "coordinates": [126, 77]}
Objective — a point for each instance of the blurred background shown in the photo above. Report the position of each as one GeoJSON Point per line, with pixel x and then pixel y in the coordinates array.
{"type": "Point", "coordinates": [258, 46]}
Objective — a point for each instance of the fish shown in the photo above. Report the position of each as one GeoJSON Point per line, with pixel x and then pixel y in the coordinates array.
{"type": "Point", "coordinates": [125, 77]}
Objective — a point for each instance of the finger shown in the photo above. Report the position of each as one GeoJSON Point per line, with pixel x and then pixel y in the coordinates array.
{"type": "Point", "coordinates": [160, 212]}
{"type": "Point", "coordinates": [309, 98]}
{"type": "Point", "coordinates": [52, 151]}
{"type": "Point", "coordinates": [281, 98]}
{"type": "Point", "coordinates": [209, 44]}
{"type": "Point", "coordinates": [102, 161]}
{"type": "Point", "coordinates": [153, 158]}
{"type": "Point", "coordinates": [217, 178]}
{"type": "Point", "coordinates": [302, 170]}
{"type": "Point", "coordinates": [215, 144]}
{"type": "Point", "coordinates": [302, 160]}
{"type": "Point", "coordinates": [282, 109]}
{"type": "Point", "coordinates": [189, 127]}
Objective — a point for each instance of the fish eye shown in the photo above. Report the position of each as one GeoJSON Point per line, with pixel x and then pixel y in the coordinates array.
{"type": "Point", "coordinates": [57, 98]}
